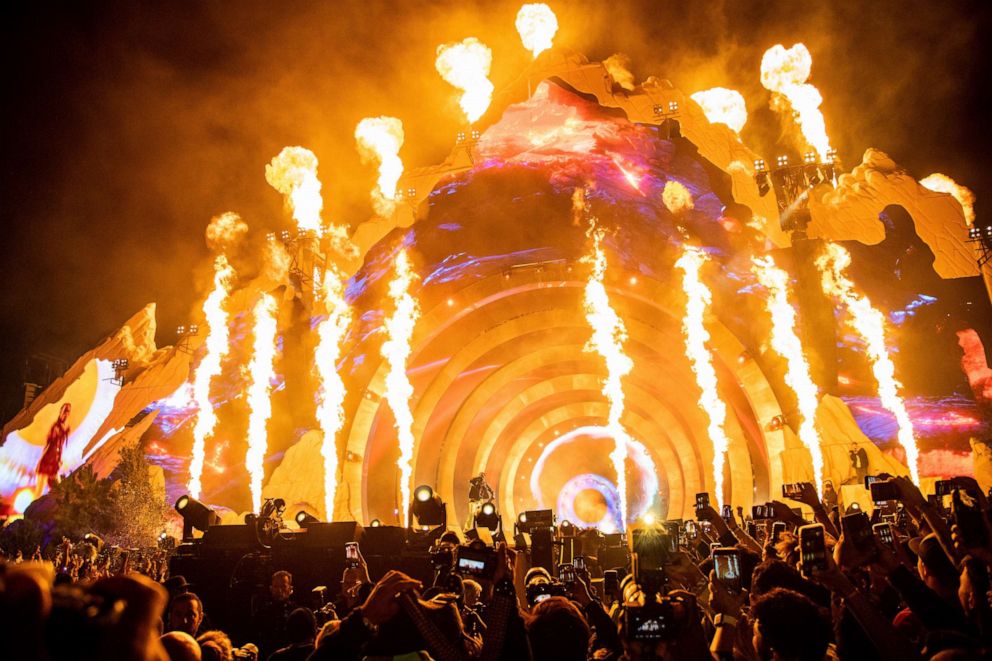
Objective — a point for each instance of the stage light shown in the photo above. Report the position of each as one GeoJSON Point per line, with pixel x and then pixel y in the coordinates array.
{"type": "Point", "coordinates": [427, 507]}
{"type": "Point", "coordinates": [487, 517]}
{"type": "Point", "coordinates": [535, 519]}
{"type": "Point", "coordinates": [673, 106]}
{"type": "Point", "coordinates": [832, 156]}
{"type": "Point", "coordinates": [194, 329]}
{"type": "Point", "coordinates": [648, 519]}
{"type": "Point", "coordinates": [759, 165]}
{"type": "Point", "coordinates": [658, 109]}
{"type": "Point", "coordinates": [460, 137]}
{"type": "Point", "coordinates": [304, 519]}
{"type": "Point", "coordinates": [782, 161]}
{"type": "Point", "coordinates": [476, 134]}
{"type": "Point", "coordinates": [522, 518]}
{"type": "Point", "coordinates": [809, 158]}
{"type": "Point", "coordinates": [566, 528]}
{"type": "Point", "coordinates": [195, 515]}
{"type": "Point", "coordinates": [451, 302]}
{"type": "Point", "coordinates": [743, 357]}
{"type": "Point", "coordinates": [180, 330]}
{"type": "Point", "coordinates": [411, 192]}
{"type": "Point", "coordinates": [633, 280]}
{"type": "Point", "coordinates": [375, 523]}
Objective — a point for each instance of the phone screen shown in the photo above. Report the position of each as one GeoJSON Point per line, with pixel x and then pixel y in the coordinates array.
{"type": "Point", "coordinates": [884, 532]}
{"type": "Point", "coordinates": [792, 491]}
{"type": "Point", "coordinates": [579, 563]}
{"type": "Point", "coordinates": [812, 549]}
{"type": "Point", "coordinates": [351, 554]}
{"type": "Point", "coordinates": [727, 567]}
{"type": "Point", "coordinates": [702, 501]}
{"type": "Point", "coordinates": [567, 574]}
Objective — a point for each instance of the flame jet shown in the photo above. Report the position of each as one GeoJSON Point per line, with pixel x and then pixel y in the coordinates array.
{"type": "Point", "coordinates": [379, 139]}
{"type": "Point", "coordinates": [941, 183]}
{"type": "Point", "coordinates": [261, 369]}
{"type": "Point", "coordinates": [466, 65]}
{"type": "Point", "coordinates": [294, 174]}
{"type": "Point", "coordinates": [785, 72]}
{"type": "Point", "coordinates": [723, 106]}
{"type": "Point", "coordinates": [696, 337]}
{"type": "Point", "coordinates": [869, 323]}
{"type": "Point", "coordinates": [786, 342]}
{"type": "Point", "coordinates": [537, 25]}
{"type": "Point", "coordinates": [396, 350]}
{"type": "Point", "coordinates": [331, 389]}
{"type": "Point", "coordinates": [608, 337]}
{"type": "Point", "coordinates": [217, 344]}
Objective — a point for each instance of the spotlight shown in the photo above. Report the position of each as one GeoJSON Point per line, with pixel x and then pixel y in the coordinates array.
{"type": "Point", "coordinates": [427, 507]}
{"type": "Point", "coordinates": [759, 166]}
{"type": "Point", "coordinates": [566, 528]}
{"type": "Point", "coordinates": [304, 519]}
{"type": "Point", "coordinates": [535, 519]}
{"type": "Point", "coordinates": [673, 106]}
{"type": "Point", "coordinates": [832, 156]}
{"type": "Point", "coordinates": [411, 192]}
{"type": "Point", "coordinates": [460, 137]}
{"type": "Point", "coordinates": [195, 515]}
{"type": "Point", "coordinates": [166, 542]}
{"type": "Point", "coordinates": [809, 158]}
{"type": "Point", "coordinates": [476, 134]}
{"type": "Point", "coordinates": [194, 329]}
{"type": "Point", "coordinates": [375, 523]}
{"type": "Point", "coordinates": [782, 161]}
{"type": "Point", "coordinates": [487, 516]}
{"type": "Point", "coordinates": [180, 330]}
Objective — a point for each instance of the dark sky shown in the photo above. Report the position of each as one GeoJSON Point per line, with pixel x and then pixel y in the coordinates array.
{"type": "Point", "coordinates": [125, 128]}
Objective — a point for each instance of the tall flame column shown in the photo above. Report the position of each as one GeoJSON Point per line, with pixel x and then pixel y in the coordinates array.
{"type": "Point", "coordinates": [698, 300]}
{"type": "Point", "coordinates": [786, 342]}
{"type": "Point", "coordinates": [869, 323]}
{"type": "Point", "coordinates": [217, 347]}
{"type": "Point", "coordinates": [608, 337]}
{"type": "Point", "coordinates": [396, 350]}
{"type": "Point", "coordinates": [261, 369]}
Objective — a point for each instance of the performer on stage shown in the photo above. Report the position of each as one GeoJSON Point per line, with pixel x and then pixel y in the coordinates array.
{"type": "Point", "coordinates": [478, 493]}
{"type": "Point", "coordinates": [51, 458]}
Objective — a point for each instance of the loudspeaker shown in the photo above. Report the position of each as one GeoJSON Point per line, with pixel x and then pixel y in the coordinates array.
{"type": "Point", "coordinates": [230, 537]}
{"type": "Point", "coordinates": [331, 535]}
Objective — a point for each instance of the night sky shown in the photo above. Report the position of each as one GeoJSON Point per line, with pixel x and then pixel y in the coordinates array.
{"type": "Point", "coordinates": [125, 128]}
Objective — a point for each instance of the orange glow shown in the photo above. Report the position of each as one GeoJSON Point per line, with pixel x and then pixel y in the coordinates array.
{"type": "Point", "coordinates": [723, 106]}
{"type": "Point", "coordinates": [23, 498]}
{"type": "Point", "coordinates": [786, 342]}
{"type": "Point", "coordinates": [785, 72]}
{"type": "Point", "coordinates": [537, 25]}
{"type": "Point", "coordinates": [870, 325]}
{"type": "Point", "coordinates": [608, 337]}
{"type": "Point", "coordinates": [396, 350]}
{"type": "Point", "coordinates": [261, 369]}
{"type": "Point", "coordinates": [618, 66]}
{"type": "Point", "coordinates": [465, 65]}
{"type": "Point", "coordinates": [379, 140]}
{"type": "Point", "coordinates": [941, 183]}
{"type": "Point", "coordinates": [217, 346]}
{"type": "Point", "coordinates": [331, 389]}
{"type": "Point", "coordinates": [699, 298]}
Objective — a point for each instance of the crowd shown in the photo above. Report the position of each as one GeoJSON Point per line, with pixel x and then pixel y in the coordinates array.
{"type": "Point", "coordinates": [909, 581]}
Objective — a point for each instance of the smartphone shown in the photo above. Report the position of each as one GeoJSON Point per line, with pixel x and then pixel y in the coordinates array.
{"type": "Point", "coordinates": [579, 562]}
{"type": "Point", "coordinates": [885, 534]}
{"type": "Point", "coordinates": [611, 582]}
{"type": "Point", "coordinates": [792, 491]}
{"type": "Point", "coordinates": [883, 491]}
{"type": "Point", "coordinates": [727, 566]}
{"type": "Point", "coordinates": [479, 563]}
{"type": "Point", "coordinates": [691, 529]}
{"type": "Point", "coordinates": [812, 549]}
{"type": "Point", "coordinates": [751, 528]}
{"type": "Point", "coordinates": [652, 548]}
{"type": "Point", "coordinates": [351, 555]}
{"type": "Point", "coordinates": [969, 519]}
{"type": "Point", "coordinates": [714, 546]}
{"type": "Point", "coordinates": [944, 487]}
{"type": "Point", "coordinates": [777, 529]}
{"type": "Point", "coordinates": [857, 530]}
{"type": "Point", "coordinates": [566, 574]}
{"type": "Point", "coordinates": [651, 622]}
{"type": "Point", "coordinates": [759, 512]}
{"type": "Point", "coordinates": [726, 513]}
{"type": "Point", "coordinates": [702, 501]}
{"type": "Point", "coordinates": [872, 479]}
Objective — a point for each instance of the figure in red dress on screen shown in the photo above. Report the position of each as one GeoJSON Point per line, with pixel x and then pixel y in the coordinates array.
{"type": "Point", "coordinates": [51, 458]}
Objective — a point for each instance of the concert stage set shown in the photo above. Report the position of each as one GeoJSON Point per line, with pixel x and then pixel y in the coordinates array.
{"type": "Point", "coordinates": [602, 299]}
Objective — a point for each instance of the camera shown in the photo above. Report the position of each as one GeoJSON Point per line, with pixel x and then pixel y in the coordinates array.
{"type": "Point", "coordinates": [538, 592]}
{"type": "Point", "coordinates": [441, 556]}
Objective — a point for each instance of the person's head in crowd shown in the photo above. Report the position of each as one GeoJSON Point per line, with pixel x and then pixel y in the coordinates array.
{"type": "Point", "coordinates": [558, 630]}
{"type": "Point", "coordinates": [787, 547]}
{"type": "Point", "coordinates": [749, 560]}
{"type": "Point", "coordinates": [281, 586]}
{"type": "Point", "coordinates": [176, 585]}
{"type": "Point", "coordinates": [185, 613]}
{"type": "Point", "coordinates": [450, 537]}
{"type": "Point", "coordinates": [301, 627]}
{"type": "Point", "coordinates": [473, 592]}
{"type": "Point", "coordinates": [537, 575]}
{"type": "Point", "coordinates": [772, 574]}
{"type": "Point", "coordinates": [974, 584]}
{"type": "Point", "coordinates": [215, 646]}
{"type": "Point", "coordinates": [788, 626]}
{"type": "Point", "coordinates": [180, 646]}
{"type": "Point", "coordinates": [935, 568]}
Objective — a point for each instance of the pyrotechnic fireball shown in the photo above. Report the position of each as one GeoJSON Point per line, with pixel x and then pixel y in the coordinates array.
{"type": "Point", "coordinates": [466, 65]}
{"type": "Point", "coordinates": [537, 26]}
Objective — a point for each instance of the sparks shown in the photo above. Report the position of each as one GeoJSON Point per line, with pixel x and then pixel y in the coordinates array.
{"type": "Point", "coordinates": [699, 299]}
{"type": "Point", "coordinates": [869, 323]}
{"type": "Point", "coordinates": [786, 342]}
{"type": "Point", "coordinates": [294, 174]}
{"type": "Point", "coordinates": [466, 65]}
{"type": "Point", "coordinates": [217, 344]}
{"type": "Point", "coordinates": [723, 106]}
{"type": "Point", "coordinates": [331, 389]}
{"type": "Point", "coordinates": [941, 183]}
{"type": "Point", "coordinates": [260, 370]}
{"type": "Point", "coordinates": [379, 140]}
{"type": "Point", "coordinates": [537, 25]}
{"type": "Point", "coordinates": [608, 337]}
{"type": "Point", "coordinates": [396, 350]}
{"type": "Point", "coordinates": [785, 72]}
